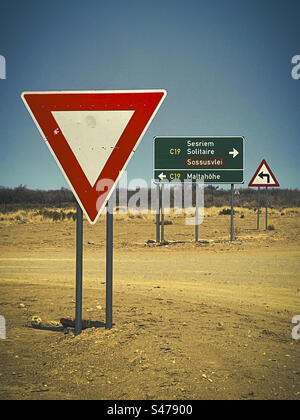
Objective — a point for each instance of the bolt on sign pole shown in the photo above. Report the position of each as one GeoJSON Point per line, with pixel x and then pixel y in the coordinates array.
{"type": "Point", "coordinates": [258, 207]}
{"type": "Point", "coordinates": [79, 241]}
{"type": "Point", "coordinates": [232, 214]}
{"type": "Point", "coordinates": [109, 265]}
{"type": "Point", "coordinates": [158, 214]}
{"type": "Point", "coordinates": [162, 214]}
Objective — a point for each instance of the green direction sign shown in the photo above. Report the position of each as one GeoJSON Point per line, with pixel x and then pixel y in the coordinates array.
{"type": "Point", "coordinates": [215, 160]}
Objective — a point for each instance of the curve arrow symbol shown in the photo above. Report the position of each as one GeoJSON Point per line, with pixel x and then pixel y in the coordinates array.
{"type": "Point", "coordinates": [262, 176]}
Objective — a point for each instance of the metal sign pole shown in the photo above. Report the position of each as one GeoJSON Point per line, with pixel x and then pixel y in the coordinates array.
{"type": "Point", "coordinates": [79, 236]}
{"type": "Point", "coordinates": [232, 214]}
{"type": "Point", "coordinates": [162, 215]}
{"type": "Point", "coordinates": [158, 214]}
{"type": "Point", "coordinates": [109, 265]}
{"type": "Point", "coordinates": [196, 220]}
{"type": "Point", "coordinates": [258, 207]}
{"type": "Point", "coordinates": [266, 208]}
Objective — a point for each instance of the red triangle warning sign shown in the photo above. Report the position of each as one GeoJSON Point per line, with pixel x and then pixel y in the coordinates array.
{"type": "Point", "coordinates": [92, 136]}
{"type": "Point", "coordinates": [264, 177]}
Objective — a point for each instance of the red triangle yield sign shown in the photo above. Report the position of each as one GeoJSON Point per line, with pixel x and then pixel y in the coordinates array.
{"type": "Point", "coordinates": [92, 136]}
{"type": "Point", "coordinates": [264, 177]}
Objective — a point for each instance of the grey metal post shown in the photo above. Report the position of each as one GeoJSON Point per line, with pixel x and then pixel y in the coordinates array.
{"type": "Point", "coordinates": [162, 215]}
{"type": "Point", "coordinates": [109, 265]}
{"type": "Point", "coordinates": [258, 208]}
{"type": "Point", "coordinates": [266, 208]}
{"type": "Point", "coordinates": [158, 214]}
{"type": "Point", "coordinates": [79, 236]}
{"type": "Point", "coordinates": [232, 214]}
{"type": "Point", "coordinates": [196, 221]}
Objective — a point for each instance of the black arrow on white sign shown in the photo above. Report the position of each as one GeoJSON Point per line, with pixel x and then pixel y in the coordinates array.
{"type": "Point", "coordinates": [262, 176]}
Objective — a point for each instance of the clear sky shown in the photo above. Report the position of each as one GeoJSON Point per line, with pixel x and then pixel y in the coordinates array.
{"type": "Point", "coordinates": [226, 65]}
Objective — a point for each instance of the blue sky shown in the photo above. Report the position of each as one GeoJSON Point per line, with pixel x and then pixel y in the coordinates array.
{"type": "Point", "coordinates": [225, 64]}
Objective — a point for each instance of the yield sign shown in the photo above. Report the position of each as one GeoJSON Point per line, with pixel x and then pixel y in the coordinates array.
{"type": "Point", "coordinates": [92, 136]}
{"type": "Point", "coordinates": [264, 177]}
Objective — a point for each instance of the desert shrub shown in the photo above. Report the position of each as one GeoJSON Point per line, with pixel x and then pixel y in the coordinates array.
{"type": "Point", "coordinates": [71, 215]}
{"type": "Point", "coordinates": [166, 222]}
{"type": "Point", "coordinates": [225, 212]}
{"type": "Point", "coordinates": [56, 216]}
{"type": "Point", "coordinates": [271, 227]}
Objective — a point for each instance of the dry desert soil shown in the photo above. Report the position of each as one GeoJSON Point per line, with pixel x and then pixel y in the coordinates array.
{"type": "Point", "coordinates": [191, 321]}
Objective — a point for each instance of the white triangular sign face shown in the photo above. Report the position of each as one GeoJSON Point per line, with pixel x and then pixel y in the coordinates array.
{"type": "Point", "coordinates": [264, 177]}
{"type": "Point", "coordinates": [92, 136]}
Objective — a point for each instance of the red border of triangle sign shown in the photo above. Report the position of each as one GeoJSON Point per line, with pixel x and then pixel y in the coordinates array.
{"type": "Point", "coordinates": [264, 177]}
{"type": "Point", "coordinates": [140, 107]}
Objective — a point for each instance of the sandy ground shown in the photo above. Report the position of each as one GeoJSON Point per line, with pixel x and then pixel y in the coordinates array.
{"type": "Point", "coordinates": [206, 321]}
